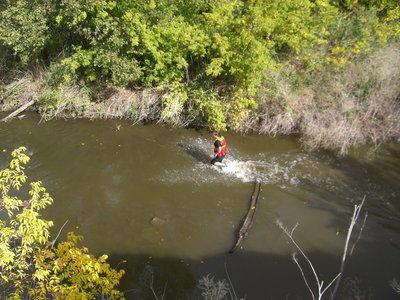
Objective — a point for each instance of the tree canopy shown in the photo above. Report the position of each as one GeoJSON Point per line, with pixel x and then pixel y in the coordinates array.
{"type": "Point", "coordinates": [217, 52]}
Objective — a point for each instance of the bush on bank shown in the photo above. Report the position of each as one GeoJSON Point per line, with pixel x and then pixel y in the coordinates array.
{"type": "Point", "coordinates": [32, 265]}
{"type": "Point", "coordinates": [220, 63]}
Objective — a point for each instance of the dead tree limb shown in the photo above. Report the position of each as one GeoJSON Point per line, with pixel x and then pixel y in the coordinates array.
{"type": "Point", "coordinates": [19, 110]}
{"type": "Point", "coordinates": [248, 222]}
{"type": "Point", "coordinates": [356, 213]}
{"type": "Point", "coordinates": [317, 295]}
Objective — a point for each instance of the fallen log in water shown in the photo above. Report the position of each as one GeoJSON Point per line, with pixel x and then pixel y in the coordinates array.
{"type": "Point", "coordinates": [19, 110]}
{"type": "Point", "coordinates": [248, 222]}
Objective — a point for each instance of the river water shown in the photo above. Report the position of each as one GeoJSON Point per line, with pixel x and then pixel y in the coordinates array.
{"type": "Point", "coordinates": [147, 196]}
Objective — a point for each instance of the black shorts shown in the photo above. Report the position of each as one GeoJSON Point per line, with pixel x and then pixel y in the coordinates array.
{"type": "Point", "coordinates": [217, 159]}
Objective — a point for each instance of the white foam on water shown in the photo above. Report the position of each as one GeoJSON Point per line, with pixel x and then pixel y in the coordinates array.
{"type": "Point", "coordinates": [277, 169]}
{"type": "Point", "coordinates": [242, 170]}
{"type": "Point", "coordinates": [287, 169]}
{"type": "Point", "coordinates": [249, 170]}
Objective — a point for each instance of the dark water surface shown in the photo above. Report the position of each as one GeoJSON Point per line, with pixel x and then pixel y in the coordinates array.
{"type": "Point", "coordinates": [147, 195]}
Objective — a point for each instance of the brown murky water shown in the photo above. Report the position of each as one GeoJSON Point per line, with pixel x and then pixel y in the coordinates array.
{"type": "Point", "coordinates": [148, 196]}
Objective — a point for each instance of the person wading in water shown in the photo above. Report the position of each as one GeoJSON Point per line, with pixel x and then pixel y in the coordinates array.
{"type": "Point", "coordinates": [219, 149]}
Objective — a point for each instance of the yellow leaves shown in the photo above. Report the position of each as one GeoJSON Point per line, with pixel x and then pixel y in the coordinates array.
{"type": "Point", "coordinates": [7, 256]}
{"type": "Point", "coordinates": [39, 197]}
{"type": "Point", "coordinates": [59, 19]}
{"type": "Point", "coordinates": [338, 61]}
{"type": "Point", "coordinates": [84, 272]}
{"type": "Point", "coordinates": [13, 177]}
{"type": "Point", "coordinates": [20, 155]}
{"type": "Point", "coordinates": [338, 56]}
{"type": "Point", "coordinates": [240, 107]}
{"type": "Point", "coordinates": [338, 50]}
{"type": "Point", "coordinates": [173, 103]}
{"type": "Point", "coordinates": [323, 3]}
{"type": "Point", "coordinates": [74, 239]}
{"type": "Point", "coordinates": [391, 25]}
{"type": "Point", "coordinates": [393, 14]}
{"type": "Point", "coordinates": [358, 47]}
{"type": "Point", "coordinates": [103, 257]}
{"type": "Point", "coordinates": [134, 41]}
{"type": "Point", "coordinates": [29, 265]}
{"type": "Point", "coordinates": [102, 14]}
{"type": "Point", "coordinates": [10, 204]}
{"type": "Point", "coordinates": [41, 274]}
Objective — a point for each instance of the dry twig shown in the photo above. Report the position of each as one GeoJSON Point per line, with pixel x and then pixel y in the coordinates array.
{"type": "Point", "coordinates": [320, 283]}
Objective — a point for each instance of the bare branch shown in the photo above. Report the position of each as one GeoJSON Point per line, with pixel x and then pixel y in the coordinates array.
{"type": "Point", "coordinates": [302, 274]}
{"type": "Point", "coordinates": [356, 213]}
{"type": "Point", "coordinates": [290, 235]}
{"type": "Point", "coordinates": [230, 282]}
{"type": "Point", "coordinates": [54, 241]}
{"type": "Point", "coordinates": [151, 286]}
{"type": "Point", "coordinates": [165, 289]}
{"type": "Point", "coordinates": [333, 280]}
{"type": "Point", "coordinates": [359, 234]}
{"type": "Point", "coordinates": [336, 280]}
{"type": "Point", "coordinates": [19, 110]}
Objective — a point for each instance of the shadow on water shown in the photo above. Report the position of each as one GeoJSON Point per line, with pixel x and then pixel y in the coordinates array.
{"type": "Point", "coordinates": [168, 278]}
{"type": "Point", "coordinates": [252, 275]}
{"type": "Point", "coordinates": [375, 178]}
{"type": "Point", "coordinates": [260, 275]}
{"type": "Point", "coordinates": [195, 152]}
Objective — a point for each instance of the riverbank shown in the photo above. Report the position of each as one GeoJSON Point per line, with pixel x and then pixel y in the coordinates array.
{"type": "Point", "coordinates": [325, 70]}
{"type": "Point", "coordinates": [354, 106]}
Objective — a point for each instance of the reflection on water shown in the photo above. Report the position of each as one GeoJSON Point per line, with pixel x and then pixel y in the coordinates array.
{"type": "Point", "coordinates": [149, 191]}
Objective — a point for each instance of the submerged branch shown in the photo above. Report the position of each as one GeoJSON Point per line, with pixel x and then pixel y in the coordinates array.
{"type": "Point", "coordinates": [248, 222]}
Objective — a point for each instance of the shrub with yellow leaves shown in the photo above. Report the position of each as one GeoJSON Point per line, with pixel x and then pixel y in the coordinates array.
{"type": "Point", "coordinates": [30, 262]}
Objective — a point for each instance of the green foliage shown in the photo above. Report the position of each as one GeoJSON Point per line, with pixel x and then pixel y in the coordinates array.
{"type": "Point", "coordinates": [173, 102]}
{"type": "Point", "coordinates": [23, 27]}
{"type": "Point", "coordinates": [29, 262]}
{"type": "Point", "coordinates": [220, 109]}
{"type": "Point", "coordinates": [133, 111]}
{"type": "Point", "coordinates": [220, 52]}
{"type": "Point", "coordinates": [48, 101]}
{"type": "Point", "coordinates": [208, 107]}
{"type": "Point", "coordinates": [246, 35]}
{"type": "Point", "coordinates": [100, 50]}
{"type": "Point", "coordinates": [54, 76]}
{"type": "Point", "coordinates": [389, 29]}
{"type": "Point", "coordinates": [12, 92]}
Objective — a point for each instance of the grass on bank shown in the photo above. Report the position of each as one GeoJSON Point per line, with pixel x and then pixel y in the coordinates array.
{"type": "Point", "coordinates": [338, 109]}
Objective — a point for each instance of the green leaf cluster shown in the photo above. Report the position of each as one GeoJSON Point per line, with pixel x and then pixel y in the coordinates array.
{"type": "Point", "coordinates": [30, 263]}
{"type": "Point", "coordinates": [221, 50]}
{"type": "Point", "coordinates": [23, 27]}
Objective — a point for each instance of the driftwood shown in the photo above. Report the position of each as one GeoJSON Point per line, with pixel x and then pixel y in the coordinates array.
{"type": "Point", "coordinates": [248, 222]}
{"type": "Point", "coordinates": [19, 110]}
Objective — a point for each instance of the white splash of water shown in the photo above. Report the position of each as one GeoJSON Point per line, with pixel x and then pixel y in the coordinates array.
{"type": "Point", "coordinates": [275, 169]}
{"type": "Point", "coordinates": [243, 170]}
